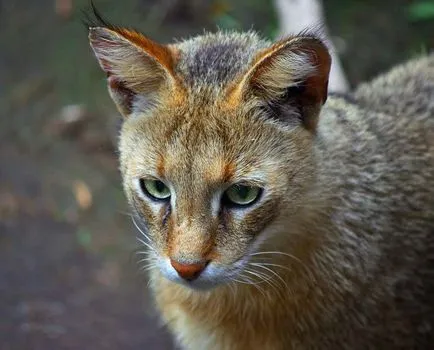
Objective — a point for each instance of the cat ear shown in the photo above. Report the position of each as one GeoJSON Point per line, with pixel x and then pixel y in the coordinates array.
{"type": "Point", "coordinates": [293, 71]}
{"type": "Point", "coordinates": [137, 68]}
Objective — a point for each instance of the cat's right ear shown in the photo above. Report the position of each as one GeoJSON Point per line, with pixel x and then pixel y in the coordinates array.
{"type": "Point", "coordinates": [137, 68]}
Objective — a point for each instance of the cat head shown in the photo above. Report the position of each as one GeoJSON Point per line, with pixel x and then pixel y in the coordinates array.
{"type": "Point", "coordinates": [216, 145]}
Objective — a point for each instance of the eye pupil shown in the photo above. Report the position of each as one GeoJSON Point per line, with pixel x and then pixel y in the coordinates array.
{"type": "Point", "coordinates": [160, 186]}
{"type": "Point", "coordinates": [243, 191]}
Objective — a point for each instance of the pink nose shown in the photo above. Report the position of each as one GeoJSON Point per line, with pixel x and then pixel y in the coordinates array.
{"type": "Point", "coordinates": [188, 271]}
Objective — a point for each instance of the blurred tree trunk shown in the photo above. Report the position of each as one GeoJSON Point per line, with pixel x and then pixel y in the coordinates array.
{"type": "Point", "coordinates": [297, 15]}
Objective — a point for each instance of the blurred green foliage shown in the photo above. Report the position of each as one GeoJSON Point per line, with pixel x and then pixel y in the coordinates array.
{"type": "Point", "coordinates": [421, 10]}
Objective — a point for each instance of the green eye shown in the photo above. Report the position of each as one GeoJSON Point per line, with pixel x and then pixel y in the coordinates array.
{"type": "Point", "coordinates": [240, 195]}
{"type": "Point", "coordinates": [155, 189]}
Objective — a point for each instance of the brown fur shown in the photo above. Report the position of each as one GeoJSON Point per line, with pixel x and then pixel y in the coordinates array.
{"type": "Point", "coordinates": [348, 201]}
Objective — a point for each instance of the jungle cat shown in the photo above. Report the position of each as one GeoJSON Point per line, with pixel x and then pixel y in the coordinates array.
{"type": "Point", "coordinates": [271, 218]}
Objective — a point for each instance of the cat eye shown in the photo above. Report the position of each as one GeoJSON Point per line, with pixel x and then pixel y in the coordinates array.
{"type": "Point", "coordinates": [242, 195]}
{"type": "Point", "coordinates": [155, 189]}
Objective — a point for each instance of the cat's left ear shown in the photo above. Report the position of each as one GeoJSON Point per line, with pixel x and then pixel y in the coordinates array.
{"type": "Point", "coordinates": [294, 71]}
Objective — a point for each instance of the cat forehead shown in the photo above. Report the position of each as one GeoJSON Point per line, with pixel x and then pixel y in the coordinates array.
{"type": "Point", "coordinates": [209, 143]}
{"type": "Point", "coordinates": [192, 137]}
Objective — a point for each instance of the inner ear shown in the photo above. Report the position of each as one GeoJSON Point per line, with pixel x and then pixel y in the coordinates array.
{"type": "Point", "coordinates": [292, 73]}
{"type": "Point", "coordinates": [288, 107]}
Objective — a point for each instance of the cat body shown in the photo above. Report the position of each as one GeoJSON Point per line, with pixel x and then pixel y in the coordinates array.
{"type": "Point", "coordinates": [272, 218]}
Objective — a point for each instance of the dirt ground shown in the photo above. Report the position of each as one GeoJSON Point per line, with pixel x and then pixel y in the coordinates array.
{"type": "Point", "coordinates": [68, 269]}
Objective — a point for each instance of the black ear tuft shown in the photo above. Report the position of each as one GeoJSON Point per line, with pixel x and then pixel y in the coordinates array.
{"type": "Point", "coordinates": [92, 18]}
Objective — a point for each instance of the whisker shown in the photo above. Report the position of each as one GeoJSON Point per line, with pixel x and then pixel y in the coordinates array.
{"type": "Point", "coordinates": [311, 276]}
{"type": "Point", "coordinates": [146, 259]}
{"type": "Point", "coordinates": [143, 253]}
{"type": "Point", "coordinates": [270, 280]}
{"type": "Point", "coordinates": [240, 281]}
{"type": "Point", "coordinates": [278, 253]}
{"type": "Point", "coordinates": [124, 213]}
{"type": "Point", "coordinates": [271, 271]}
{"type": "Point", "coordinates": [145, 244]}
{"type": "Point", "coordinates": [262, 278]}
{"type": "Point", "coordinates": [276, 265]}
{"type": "Point", "coordinates": [255, 285]}
{"type": "Point", "coordinates": [148, 267]}
{"type": "Point", "coordinates": [138, 228]}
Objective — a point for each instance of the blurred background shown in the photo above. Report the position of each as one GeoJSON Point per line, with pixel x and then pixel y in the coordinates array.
{"type": "Point", "coordinates": [68, 272]}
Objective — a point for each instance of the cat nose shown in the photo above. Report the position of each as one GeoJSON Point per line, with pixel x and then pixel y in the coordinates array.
{"type": "Point", "coordinates": [188, 271]}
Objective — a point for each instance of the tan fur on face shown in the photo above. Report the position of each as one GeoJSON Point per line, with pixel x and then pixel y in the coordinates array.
{"type": "Point", "coordinates": [212, 168]}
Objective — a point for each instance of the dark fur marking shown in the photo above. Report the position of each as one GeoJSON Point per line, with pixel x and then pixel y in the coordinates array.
{"type": "Point", "coordinates": [216, 63]}
{"type": "Point", "coordinates": [167, 215]}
